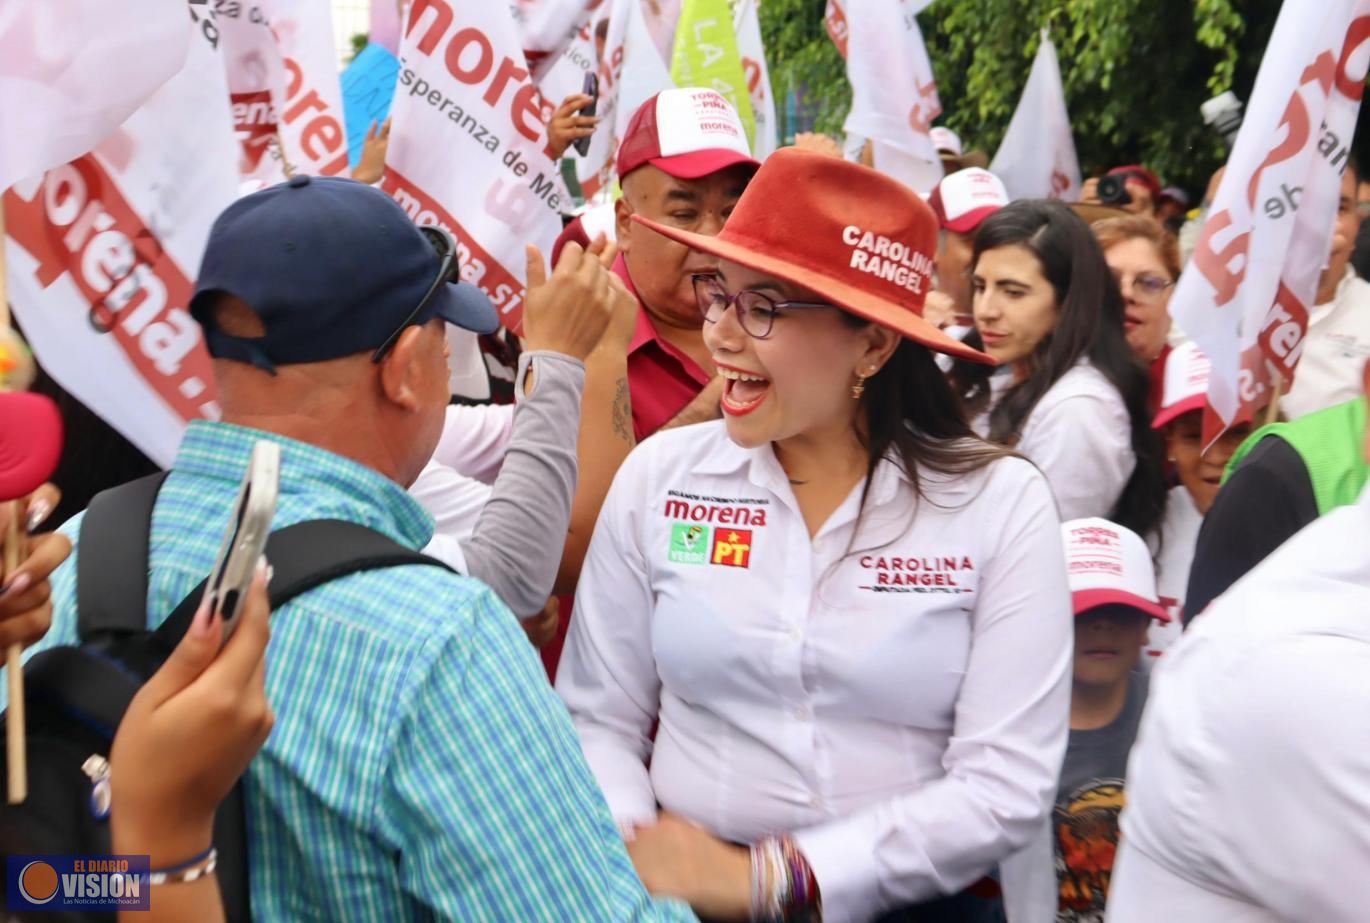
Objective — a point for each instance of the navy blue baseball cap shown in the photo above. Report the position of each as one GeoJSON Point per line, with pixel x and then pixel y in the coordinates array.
{"type": "Point", "coordinates": [333, 268]}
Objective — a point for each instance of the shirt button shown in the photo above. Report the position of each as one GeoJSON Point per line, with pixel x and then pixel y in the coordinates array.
{"type": "Point", "coordinates": [796, 633]}
{"type": "Point", "coordinates": [815, 802]}
{"type": "Point", "coordinates": [801, 713]}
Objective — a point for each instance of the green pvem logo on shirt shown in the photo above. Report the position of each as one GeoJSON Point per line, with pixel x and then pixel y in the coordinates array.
{"type": "Point", "coordinates": [689, 544]}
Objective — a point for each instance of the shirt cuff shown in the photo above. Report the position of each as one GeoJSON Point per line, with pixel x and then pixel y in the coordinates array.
{"type": "Point", "coordinates": [840, 855]}
{"type": "Point", "coordinates": [549, 363]}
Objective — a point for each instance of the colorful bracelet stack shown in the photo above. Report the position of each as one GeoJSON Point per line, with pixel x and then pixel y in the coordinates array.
{"type": "Point", "coordinates": [783, 884]}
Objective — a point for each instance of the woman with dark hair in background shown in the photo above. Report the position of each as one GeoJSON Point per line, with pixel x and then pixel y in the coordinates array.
{"type": "Point", "coordinates": [846, 614]}
{"type": "Point", "coordinates": [1071, 395]}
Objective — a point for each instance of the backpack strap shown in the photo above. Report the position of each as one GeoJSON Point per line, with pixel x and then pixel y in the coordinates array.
{"type": "Point", "coordinates": [304, 556]}
{"type": "Point", "coordinates": [112, 567]}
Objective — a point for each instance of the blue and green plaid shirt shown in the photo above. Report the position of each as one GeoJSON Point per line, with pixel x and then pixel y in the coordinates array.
{"type": "Point", "coordinates": [420, 766]}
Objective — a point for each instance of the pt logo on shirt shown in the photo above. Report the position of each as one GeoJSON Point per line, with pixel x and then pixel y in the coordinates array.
{"type": "Point", "coordinates": [689, 544]}
{"type": "Point", "coordinates": [732, 547]}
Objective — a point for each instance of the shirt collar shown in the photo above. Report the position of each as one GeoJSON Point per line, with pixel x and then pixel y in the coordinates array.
{"type": "Point", "coordinates": [222, 451]}
{"type": "Point", "coordinates": [764, 471]}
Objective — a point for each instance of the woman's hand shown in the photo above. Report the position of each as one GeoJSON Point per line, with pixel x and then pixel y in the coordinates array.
{"type": "Point", "coordinates": [675, 858]}
{"type": "Point", "coordinates": [25, 601]}
{"type": "Point", "coordinates": [189, 734]}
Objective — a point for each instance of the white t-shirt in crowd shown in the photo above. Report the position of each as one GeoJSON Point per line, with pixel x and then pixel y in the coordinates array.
{"type": "Point", "coordinates": [1248, 791]}
{"type": "Point", "coordinates": [1080, 436]}
{"type": "Point", "coordinates": [455, 485]}
{"type": "Point", "coordinates": [1179, 533]}
{"type": "Point", "coordinates": [898, 699]}
{"type": "Point", "coordinates": [1335, 350]}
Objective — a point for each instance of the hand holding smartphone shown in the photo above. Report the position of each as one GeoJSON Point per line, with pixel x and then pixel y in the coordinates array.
{"type": "Point", "coordinates": [246, 535]}
{"type": "Point", "coordinates": [590, 89]}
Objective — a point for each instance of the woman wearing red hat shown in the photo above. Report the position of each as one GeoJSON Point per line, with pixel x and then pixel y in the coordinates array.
{"type": "Point", "coordinates": [1069, 394]}
{"type": "Point", "coordinates": [845, 613]}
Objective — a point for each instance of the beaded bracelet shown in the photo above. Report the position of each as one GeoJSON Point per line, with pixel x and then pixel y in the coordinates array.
{"type": "Point", "coordinates": [784, 887]}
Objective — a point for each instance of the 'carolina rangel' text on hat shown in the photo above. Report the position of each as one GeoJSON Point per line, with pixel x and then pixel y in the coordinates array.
{"type": "Point", "coordinates": [1186, 383]}
{"type": "Point", "coordinates": [856, 237]}
{"type": "Point", "coordinates": [965, 198]}
{"type": "Point", "coordinates": [1108, 564]}
{"type": "Point", "coordinates": [332, 267]}
{"type": "Point", "coordinates": [687, 133]}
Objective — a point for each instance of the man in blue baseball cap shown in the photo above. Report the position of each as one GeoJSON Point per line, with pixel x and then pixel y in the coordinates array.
{"type": "Point", "coordinates": [412, 717]}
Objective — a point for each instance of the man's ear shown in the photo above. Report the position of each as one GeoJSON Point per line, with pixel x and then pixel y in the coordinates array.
{"type": "Point", "coordinates": [623, 225]}
{"type": "Point", "coordinates": [400, 369]}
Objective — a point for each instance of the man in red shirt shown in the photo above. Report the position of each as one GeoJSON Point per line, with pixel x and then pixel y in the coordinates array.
{"type": "Point", "coordinates": [683, 161]}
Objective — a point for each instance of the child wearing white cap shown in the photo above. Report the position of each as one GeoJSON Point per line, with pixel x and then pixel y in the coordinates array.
{"type": "Point", "coordinates": [1113, 590]}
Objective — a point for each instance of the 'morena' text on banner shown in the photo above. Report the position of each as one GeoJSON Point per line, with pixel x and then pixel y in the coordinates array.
{"type": "Point", "coordinates": [468, 146]}
{"type": "Point", "coordinates": [102, 252]}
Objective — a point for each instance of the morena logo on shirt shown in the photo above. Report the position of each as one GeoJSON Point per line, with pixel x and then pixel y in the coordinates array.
{"type": "Point", "coordinates": [732, 547]}
{"type": "Point", "coordinates": [721, 510]}
{"type": "Point", "coordinates": [919, 573]}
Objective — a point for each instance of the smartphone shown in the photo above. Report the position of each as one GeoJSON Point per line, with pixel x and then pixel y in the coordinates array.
{"type": "Point", "coordinates": [245, 538]}
{"type": "Point", "coordinates": [590, 89]}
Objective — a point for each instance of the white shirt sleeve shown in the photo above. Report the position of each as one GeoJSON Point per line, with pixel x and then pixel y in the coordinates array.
{"type": "Point", "coordinates": [1083, 444]}
{"type": "Point", "coordinates": [474, 439]}
{"type": "Point", "coordinates": [1252, 778]}
{"type": "Point", "coordinates": [1004, 756]}
{"type": "Point", "coordinates": [607, 675]}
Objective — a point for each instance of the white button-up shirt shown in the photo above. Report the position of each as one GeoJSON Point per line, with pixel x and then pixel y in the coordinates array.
{"type": "Point", "coordinates": [1248, 791]}
{"type": "Point", "coordinates": [1334, 350]}
{"type": "Point", "coordinates": [1080, 435]}
{"type": "Point", "coordinates": [897, 699]}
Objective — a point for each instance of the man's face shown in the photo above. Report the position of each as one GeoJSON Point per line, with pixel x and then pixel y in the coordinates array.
{"type": "Point", "coordinates": [1108, 644]}
{"type": "Point", "coordinates": [1344, 230]}
{"type": "Point", "coordinates": [661, 268]}
{"type": "Point", "coordinates": [953, 269]}
{"type": "Point", "coordinates": [1142, 203]}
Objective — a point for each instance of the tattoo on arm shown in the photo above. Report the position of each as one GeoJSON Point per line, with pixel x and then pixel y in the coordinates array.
{"type": "Point", "coordinates": [623, 412]}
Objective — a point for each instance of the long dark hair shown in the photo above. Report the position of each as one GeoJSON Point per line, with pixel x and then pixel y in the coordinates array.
{"type": "Point", "coordinates": [1089, 326]}
{"type": "Point", "coordinates": [912, 413]}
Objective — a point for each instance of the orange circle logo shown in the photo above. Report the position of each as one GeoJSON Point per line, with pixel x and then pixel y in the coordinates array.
{"type": "Point", "coordinates": [38, 882]}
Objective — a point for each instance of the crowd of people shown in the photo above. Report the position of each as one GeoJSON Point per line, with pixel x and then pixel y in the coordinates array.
{"type": "Point", "coordinates": [869, 524]}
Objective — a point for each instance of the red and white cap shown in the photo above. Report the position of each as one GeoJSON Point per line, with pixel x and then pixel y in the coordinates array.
{"type": "Point", "coordinates": [687, 133]}
{"type": "Point", "coordinates": [965, 198]}
{"type": "Point", "coordinates": [1186, 383]}
{"type": "Point", "coordinates": [1106, 563]}
{"type": "Point", "coordinates": [946, 140]}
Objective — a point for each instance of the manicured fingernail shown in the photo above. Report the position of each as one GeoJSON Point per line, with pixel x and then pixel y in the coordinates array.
{"type": "Point", "coordinates": [199, 626]}
{"type": "Point", "coordinates": [38, 514]}
{"type": "Point", "coordinates": [264, 569]}
{"type": "Point", "coordinates": [17, 584]}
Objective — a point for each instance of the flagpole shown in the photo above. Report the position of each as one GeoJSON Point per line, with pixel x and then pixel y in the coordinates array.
{"type": "Point", "coordinates": [1272, 411]}
{"type": "Point", "coordinates": [16, 757]}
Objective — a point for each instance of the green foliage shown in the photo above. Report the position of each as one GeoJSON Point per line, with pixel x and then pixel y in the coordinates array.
{"type": "Point", "coordinates": [1135, 71]}
{"type": "Point", "coordinates": [359, 42]}
{"type": "Point", "coordinates": [802, 57]}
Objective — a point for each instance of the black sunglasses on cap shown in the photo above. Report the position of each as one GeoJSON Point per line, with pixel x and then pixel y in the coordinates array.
{"type": "Point", "coordinates": [446, 248]}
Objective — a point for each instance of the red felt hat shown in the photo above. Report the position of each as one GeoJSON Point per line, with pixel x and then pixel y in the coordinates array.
{"type": "Point", "coordinates": [861, 240]}
{"type": "Point", "coordinates": [30, 443]}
